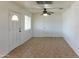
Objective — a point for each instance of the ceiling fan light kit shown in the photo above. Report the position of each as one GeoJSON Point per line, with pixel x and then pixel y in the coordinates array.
{"type": "Point", "coordinates": [45, 14]}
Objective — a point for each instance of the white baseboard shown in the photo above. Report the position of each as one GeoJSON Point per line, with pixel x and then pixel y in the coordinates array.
{"type": "Point", "coordinates": [72, 45]}
{"type": "Point", "coordinates": [6, 53]}
{"type": "Point", "coordinates": [2, 55]}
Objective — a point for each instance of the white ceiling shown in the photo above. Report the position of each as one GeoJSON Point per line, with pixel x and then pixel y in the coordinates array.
{"type": "Point", "coordinates": [33, 7]}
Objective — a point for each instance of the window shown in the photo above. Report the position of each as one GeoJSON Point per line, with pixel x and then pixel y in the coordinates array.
{"type": "Point", "coordinates": [14, 18]}
{"type": "Point", "coordinates": [27, 22]}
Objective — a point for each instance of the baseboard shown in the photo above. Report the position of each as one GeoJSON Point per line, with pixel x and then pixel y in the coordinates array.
{"type": "Point", "coordinates": [2, 55]}
{"type": "Point", "coordinates": [71, 44]}
{"type": "Point", "coordinates": [47, 36]}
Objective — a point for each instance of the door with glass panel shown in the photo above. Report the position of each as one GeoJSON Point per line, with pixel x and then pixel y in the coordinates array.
{"type": "Point", "coordinates": [14, 29]}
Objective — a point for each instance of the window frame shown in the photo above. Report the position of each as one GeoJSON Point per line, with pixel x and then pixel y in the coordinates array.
{"type": "Point", "coordinates": [27, 22]}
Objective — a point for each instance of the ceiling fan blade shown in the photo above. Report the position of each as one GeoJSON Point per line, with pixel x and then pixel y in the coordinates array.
{"type": "Point", "coordinates": [51, 12]}
{"type": "Point", "coordinates": [41, 13]}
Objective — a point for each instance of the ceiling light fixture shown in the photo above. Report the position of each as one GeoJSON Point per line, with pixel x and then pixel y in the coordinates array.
{"type": "Point", "coordinates": [45, 14]}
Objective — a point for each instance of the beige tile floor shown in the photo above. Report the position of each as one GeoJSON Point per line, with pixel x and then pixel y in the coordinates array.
{"type": "Point", "coordinates": [43, 48]}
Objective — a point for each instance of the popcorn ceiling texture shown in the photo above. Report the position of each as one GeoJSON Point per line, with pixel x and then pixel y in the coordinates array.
{"type": "Point", "coordinates": [44, 47]}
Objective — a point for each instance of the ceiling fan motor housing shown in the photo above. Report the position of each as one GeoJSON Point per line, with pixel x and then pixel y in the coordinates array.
{"type": "Point", "coordinates": [44, 11]}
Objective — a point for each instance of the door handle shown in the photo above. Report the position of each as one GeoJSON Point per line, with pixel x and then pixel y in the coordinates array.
{"type": "Point", "coordinates": [19, 29]}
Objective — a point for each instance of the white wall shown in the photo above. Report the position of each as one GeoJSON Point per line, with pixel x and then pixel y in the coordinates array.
{"type": "Point", "coordinates": [50, 26]}
{"type": "Point", "coordinates": [5, 8]}
{"type": "Point", "coordinates": [71, 26]}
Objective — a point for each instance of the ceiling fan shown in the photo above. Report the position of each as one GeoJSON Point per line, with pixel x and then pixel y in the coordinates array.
{"type": "Point", "coordinates": [46, 13]}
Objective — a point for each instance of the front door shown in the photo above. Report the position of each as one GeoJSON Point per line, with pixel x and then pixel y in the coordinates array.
{"type": "Point", "coordinates": [14, 29]}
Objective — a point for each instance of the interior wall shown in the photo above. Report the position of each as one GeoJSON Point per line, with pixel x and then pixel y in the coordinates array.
{"type": "Point", "coordinates": [5, 8]}
{"type": "Point", "coordinates": [71, 26]}
{"type": "Point", "coordinates": [47, 26]}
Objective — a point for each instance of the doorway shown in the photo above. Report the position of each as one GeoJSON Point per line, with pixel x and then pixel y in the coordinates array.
{"type": "Point", "coordinates": [14, 29]}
